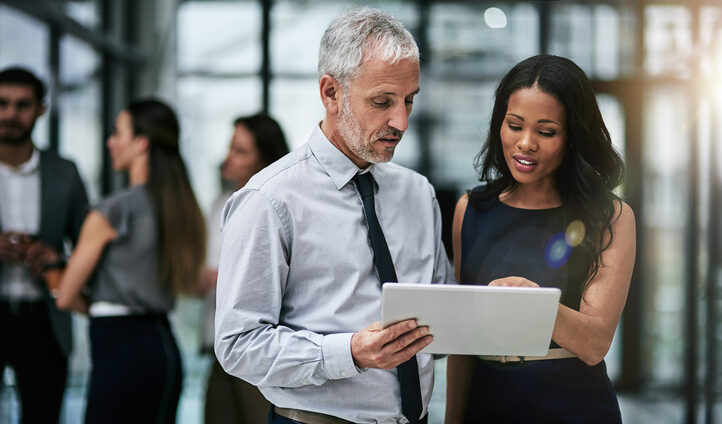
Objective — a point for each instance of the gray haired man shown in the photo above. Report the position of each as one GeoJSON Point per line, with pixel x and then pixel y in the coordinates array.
{"type": "Point", "coordinates": [309, 240]}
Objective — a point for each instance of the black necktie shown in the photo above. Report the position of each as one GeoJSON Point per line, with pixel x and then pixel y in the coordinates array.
{"type": "Point", "coordinates": [408, 372]}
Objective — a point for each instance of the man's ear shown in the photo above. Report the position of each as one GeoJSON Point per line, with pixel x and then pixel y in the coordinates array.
{"type": "Point", "coordinates": [331, 94]}
{"type": "Point", "coordinates": [41, 110]}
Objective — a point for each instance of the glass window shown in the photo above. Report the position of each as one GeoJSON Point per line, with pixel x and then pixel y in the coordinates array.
{"type": "Point", "coordinates": [85, 12]}
{"type": "Point", "coordinates": [296, 104]}
{"type": "Point", "coordinates": [465, 41]}
{"type": "Point", "coordinates": [24, 42]}
{"type": "Point", "coordinates": [461, 111]}
{"type": "Point", "coordinates": [81, 136]}
{"type": "Point", "coordinates": [219, 37]}
{"type": "Point", "coordinates": [668, 40]}
{"type": "Point", "coordinates": [665, 154]}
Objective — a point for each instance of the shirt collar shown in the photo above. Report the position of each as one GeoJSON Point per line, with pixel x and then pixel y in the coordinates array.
{"type": "Point", "coordinates": [26, 168]}
{"type": "Point", "coordinates": [336, 164]}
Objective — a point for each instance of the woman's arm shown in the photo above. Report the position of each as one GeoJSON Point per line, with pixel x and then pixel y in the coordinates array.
{"type": "Point", "coordinates": [588, 332]}
{"type": "Point", "coordinates": [459, 368]}
{"type": "Point", "coordinates": [95, 233]}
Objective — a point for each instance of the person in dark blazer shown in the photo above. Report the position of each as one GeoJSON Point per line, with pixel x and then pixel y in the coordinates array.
{"type": "Point", "coordinates": [42, 206]}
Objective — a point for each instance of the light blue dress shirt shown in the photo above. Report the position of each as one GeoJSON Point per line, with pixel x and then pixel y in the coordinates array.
{"type": "Point", "coordinates": [296, 280]}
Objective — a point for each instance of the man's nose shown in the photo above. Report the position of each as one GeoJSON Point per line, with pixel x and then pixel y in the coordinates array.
{"type": "Point", "coordinates": [399, 118]}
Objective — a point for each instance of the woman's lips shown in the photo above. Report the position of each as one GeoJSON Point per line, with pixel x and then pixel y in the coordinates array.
{"type": "Point", "coordinates": [524, 163]}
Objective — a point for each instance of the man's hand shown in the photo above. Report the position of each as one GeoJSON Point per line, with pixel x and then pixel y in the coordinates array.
{"type": "Point", "coordinates": [376, 347]}
{"type": "Point", "coordinates": [12, 247]}
{"type": "Point", "coordinates": [513, 282]}
{"type": "Point", "coordinates": [39, 254]}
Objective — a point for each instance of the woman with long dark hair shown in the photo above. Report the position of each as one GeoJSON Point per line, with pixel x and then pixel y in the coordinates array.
{"type": "Point", "coordinates": [257, 142]}
{"type": "Point", "coordinates": [546, 216]}
{"type": "Point", "coordinates": [137, 249]}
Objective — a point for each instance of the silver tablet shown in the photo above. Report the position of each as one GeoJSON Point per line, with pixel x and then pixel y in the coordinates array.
{"type": "Point", "coordinates": [476, 320]}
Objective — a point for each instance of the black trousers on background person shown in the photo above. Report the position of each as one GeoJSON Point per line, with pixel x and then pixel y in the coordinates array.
{"type": "Point", "coordinates": [136, 373]}
{"type": "Point", "coordinates": [29, 346]}
{"type": "Point", "coordinates": [232, 400]}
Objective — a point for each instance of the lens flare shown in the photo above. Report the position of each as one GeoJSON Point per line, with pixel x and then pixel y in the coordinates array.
{"type": "Point", "coordinates": [557, 251]}
{"type": "Point", "coordinates": [575, 233]}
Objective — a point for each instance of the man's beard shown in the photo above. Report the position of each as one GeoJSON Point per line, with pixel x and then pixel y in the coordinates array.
{"type": "Point", "coordinates": [14, 140]}
{"type": "Point", "coordinates": [352, 133]}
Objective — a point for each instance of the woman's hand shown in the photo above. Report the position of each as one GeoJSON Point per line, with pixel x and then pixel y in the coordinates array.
{"type": "Point", "coordinates": [513, 282]}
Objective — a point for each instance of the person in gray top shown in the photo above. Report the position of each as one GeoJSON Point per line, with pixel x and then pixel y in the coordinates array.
{"type": "Point", "coordinates": [299, 282]}
{"type": "Point", "coordinates": [137, 249]}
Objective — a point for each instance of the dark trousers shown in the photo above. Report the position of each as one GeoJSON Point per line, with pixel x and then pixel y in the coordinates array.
{"type": "Point", "coordinates": [274, 418]}
{"type": "Point", "coordinates": [29, 346]}
{"type": "Point", "coordinates": [232, 400]}
{"type": "Point", "coordinates": [137, 373]}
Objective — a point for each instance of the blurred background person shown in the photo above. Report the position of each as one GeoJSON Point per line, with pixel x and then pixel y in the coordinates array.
{"type": "Point", "coordinates": [546, 215]}
{"type": "Point", "coordinates": [137, 250]}
{"type": "Point", "coordinates": [257, 142]}
{"type": "Point", "coordinates": [42, 205]}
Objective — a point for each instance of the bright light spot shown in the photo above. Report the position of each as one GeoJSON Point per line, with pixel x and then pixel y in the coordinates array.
{"type": "Point", "coordinates": [557, 251]}
{"type": "Point", "coordinates": [495, 18]}
{"type": "Point", "coordinates": [575, 233]}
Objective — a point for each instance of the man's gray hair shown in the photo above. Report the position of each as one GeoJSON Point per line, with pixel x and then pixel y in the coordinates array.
{"type": "Point", "coordinates": [359, 32]}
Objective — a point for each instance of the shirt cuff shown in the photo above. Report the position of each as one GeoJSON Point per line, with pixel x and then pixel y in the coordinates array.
{"type": "Point", "coordinates": [337, 359]}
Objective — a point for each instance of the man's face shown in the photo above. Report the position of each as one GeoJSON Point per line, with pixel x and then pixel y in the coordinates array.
{"type": "Point", "coordinates": [18, 111]}
{"type": "Point", "coordinates": [375, 111]}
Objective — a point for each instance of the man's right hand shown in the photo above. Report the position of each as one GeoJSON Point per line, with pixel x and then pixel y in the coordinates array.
{"type": "Point", "coordinates": [377, 347]}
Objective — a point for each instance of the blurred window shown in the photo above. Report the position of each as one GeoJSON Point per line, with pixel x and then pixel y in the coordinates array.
{"type": "Point", "coordinates": [24, 42]}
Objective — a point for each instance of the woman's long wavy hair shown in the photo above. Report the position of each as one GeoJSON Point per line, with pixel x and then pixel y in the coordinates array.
{"type": "Point", "coordinates": [590, 169]}
{"type": "Point", "coordinates": [180, 226]}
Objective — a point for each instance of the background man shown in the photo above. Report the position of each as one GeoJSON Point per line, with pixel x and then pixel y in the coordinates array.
{"type": "Point", "coordinates": [42, 204]}
{"type": "Point", "coordinates": [308, 241]}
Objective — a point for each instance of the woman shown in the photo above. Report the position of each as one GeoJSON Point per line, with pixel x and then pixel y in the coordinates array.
{"type": "Point", "coordinates": [546, 216]}
{"type": "Point", "coordinates": [137, 249]}
{"type": "Point", "coordinates": [257, 142]}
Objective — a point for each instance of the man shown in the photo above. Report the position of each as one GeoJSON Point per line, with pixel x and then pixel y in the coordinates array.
{"type": "Point", "coordinates": [42, 204]}
{"type": "Point", "coordinates": [304, 253]}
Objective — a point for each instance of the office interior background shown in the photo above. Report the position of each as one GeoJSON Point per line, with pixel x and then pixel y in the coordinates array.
{"type": "Point", "coordinates": [655, 64]}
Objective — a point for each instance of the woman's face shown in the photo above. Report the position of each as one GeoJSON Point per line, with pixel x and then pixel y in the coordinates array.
{"type": "Point", "coordinates": [533, 136]}
{"type": "Point", "coordinates": [124, 147]}
{"type": "Point", "coordinates": [243, 158]}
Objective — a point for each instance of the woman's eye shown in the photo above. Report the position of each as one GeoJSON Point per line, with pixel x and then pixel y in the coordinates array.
{"type": "Point", "coordinates": [514, 127]}
{"type": "Point", "coordinates": [547, 133]}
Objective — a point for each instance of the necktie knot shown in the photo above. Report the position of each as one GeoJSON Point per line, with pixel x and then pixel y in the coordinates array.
{"type": "Point", "coordinates": [365, 184]}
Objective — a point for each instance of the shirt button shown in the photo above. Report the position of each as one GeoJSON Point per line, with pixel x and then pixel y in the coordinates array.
{"type": "Point", "coordinates": [344, 373]}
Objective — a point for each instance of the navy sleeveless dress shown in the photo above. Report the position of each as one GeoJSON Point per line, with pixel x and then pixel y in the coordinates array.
{"type": "Point", "coordinates": [501, 241]}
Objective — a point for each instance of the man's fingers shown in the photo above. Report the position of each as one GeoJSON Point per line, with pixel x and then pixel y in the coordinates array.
{"type": "Point", "coordinates": [394, 331]}
{"type": "Point", "coordinates": [410, 350]}
{"type": "Point", "coordinates": [403, 341]}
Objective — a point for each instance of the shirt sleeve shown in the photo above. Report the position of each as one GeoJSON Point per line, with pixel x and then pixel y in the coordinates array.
{"type": "Point", "coordinates": [250, 342]}
{"type": "Point", "coordinates": [115, 210]}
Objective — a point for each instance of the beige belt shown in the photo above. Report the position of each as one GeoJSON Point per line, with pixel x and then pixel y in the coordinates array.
{"type": "Point", "coordinates": [308, 417]}
{"type": "Point", "coordinates": [557, 353]}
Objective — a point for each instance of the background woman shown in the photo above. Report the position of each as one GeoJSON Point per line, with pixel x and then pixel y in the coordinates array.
{"type": "Point", "coordinates": [546, 216]}
{"type": "Point", "coordinates": [257, 142]}
{"type": "Point", "coordinates": [137, 249]}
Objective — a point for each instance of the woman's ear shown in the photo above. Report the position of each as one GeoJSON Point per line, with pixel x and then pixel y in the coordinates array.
{"type": "Point", "coordinates": [142, 143]}
{"type": "Point", "coordinates": [331, 94]}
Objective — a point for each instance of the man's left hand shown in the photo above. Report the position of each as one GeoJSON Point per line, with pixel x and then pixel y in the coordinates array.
{"type": "Point", "coordinates": [38, 255]}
